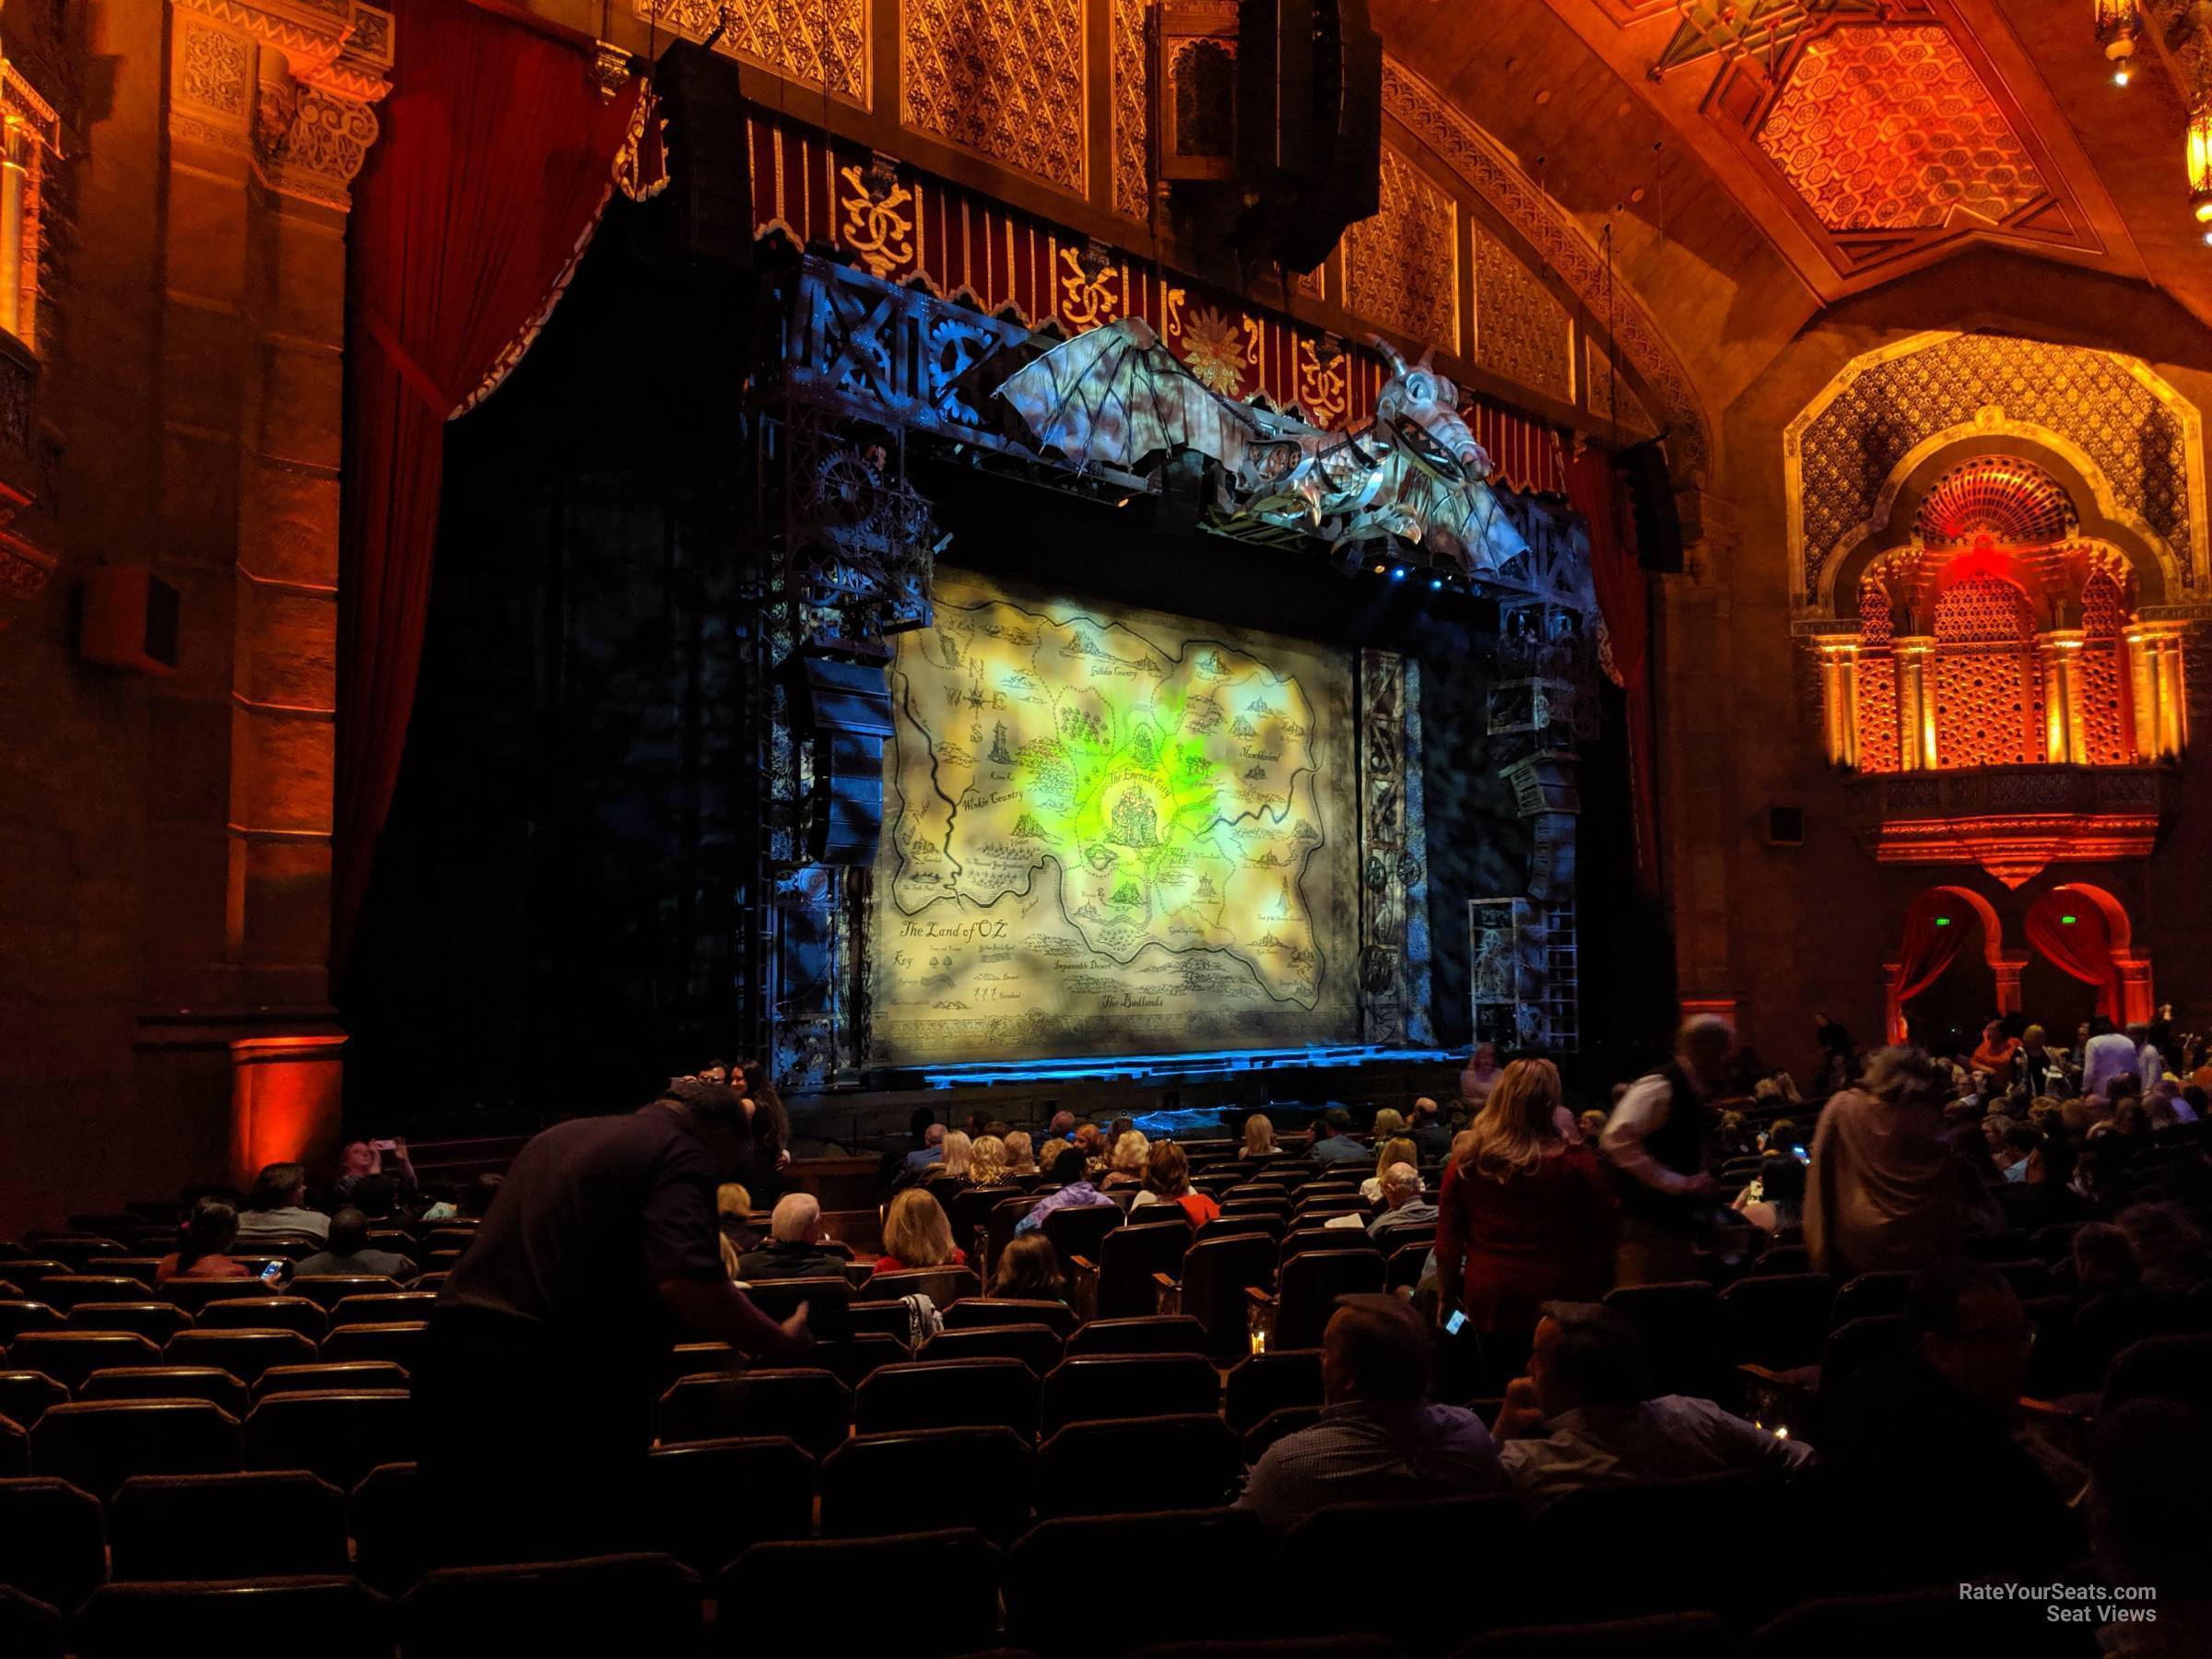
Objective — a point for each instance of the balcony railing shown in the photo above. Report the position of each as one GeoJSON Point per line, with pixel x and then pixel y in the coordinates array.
{"type": "Point", "coordinates": [2013, 821]}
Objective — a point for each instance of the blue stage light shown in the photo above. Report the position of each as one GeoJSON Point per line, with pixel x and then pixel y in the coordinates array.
{"type": "Point", "coordinates": [1398, 574]}
{"type": "Point", "coordinates": [1435, 582]}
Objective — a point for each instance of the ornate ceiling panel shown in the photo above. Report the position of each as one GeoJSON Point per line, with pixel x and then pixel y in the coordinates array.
{"type": "Point", "coordinates": [1520, 329]}
{"type": "Point", "coordinates": [1891, 129]}
{"type": "Point", "coordinates": [2012, 501]}
{"type": "Point", "coordinates": [822, 42]}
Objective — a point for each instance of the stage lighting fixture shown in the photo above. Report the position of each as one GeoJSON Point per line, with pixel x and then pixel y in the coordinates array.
{"type": "Point", "coordinates": [1435, 582]}
{"type": "Point", "coordinates": [1398, 574]}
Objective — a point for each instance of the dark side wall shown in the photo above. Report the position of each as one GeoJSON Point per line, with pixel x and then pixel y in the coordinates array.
{"type": "Point", "coordinates": [1786, 932]}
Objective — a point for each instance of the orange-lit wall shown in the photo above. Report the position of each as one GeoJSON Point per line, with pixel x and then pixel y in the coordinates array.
{"type": "Point", "coordinates": [1786, 931]}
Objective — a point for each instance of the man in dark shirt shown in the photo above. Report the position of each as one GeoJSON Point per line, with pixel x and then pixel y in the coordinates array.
{"type": "Point", "coordinates": [1931, 1483]}
{"type": "Point", "coordinates": [793, 1250]}
{"type": "Point", "coordinates": [347, 1252]}
{"type": "Point", "coordinates": [1428, 1131]}
{"type": "Point", "coordinates": [547, 1343]}
{"type": "Point", "coordinates": [1333, 1141]}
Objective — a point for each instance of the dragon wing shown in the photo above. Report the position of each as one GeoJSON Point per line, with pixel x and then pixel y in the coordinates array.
{"type": "Point", "coordinates": [1116, 394]}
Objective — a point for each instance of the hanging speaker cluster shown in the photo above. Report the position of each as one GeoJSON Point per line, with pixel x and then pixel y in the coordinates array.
{"type": "Point", "coordinates": [1309, 127]}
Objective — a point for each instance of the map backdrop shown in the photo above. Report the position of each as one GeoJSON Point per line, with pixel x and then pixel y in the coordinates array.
{"type": "Point", "coordinates": [1111, 831]}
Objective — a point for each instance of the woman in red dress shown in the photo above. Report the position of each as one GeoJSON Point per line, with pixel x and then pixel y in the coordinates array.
{"type": "Point", "coordinates": [1525, 1216]}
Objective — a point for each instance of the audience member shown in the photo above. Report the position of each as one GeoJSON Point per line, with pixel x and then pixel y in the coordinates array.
{"type": "Point", "coordinates": [1029, 1270]}
{"type": "Point", "coordinates": [987, 1162]}
{"type": "Point", "coordinates": [734, 1216]}
{"type": "Point", "coordinates": [1061, 1128]}
{"type": "Point", "coordinates": [956, 1152]}
{"type": "Point", "coordinates": [1478, 1076]}
{"type": "Point", "coordinates": [1071, 1169]}
{"type": "Point", "coordinates": [1523, 1217]}
{"type": "Point", "coordinates": [1380, 1438]}
{"type": "Point", "coordinates": [1126, 1167]}
{"type": "Point", "coordinates": [1168, 1180]}
{"type": "Point", "coordinates": [474, 1203]}
{"type": "Point", "coordinates": [1403, 1205]}
{"type": "Point", "coordinates": [2045, 1195]}
{"type": "Point", "coordinates": [1389, 1124]}
{"type": "Point", "coordinates": [2152, 1461]}
{"type": "Point", "coordinates": [1998, 1053]}
{"type": "Point", "coordinates": [1779, 1208]}
{"type": "Point", "coordinates": [1427, 1129]}
{"type": "Point", "coordinates": [1333, 1142]}
{"type": "Point", "coordinates": [1886, 1192]}
{"type": "Point", "coordinates": [1591, 1126]}
{"type": "Point", "coordinates": [363, 1159]}
{"type": "Point", "coordinates": [278, 1204]}
{"type": "Point", "coordinates": [202, 1245]}
{"type": "Point", "coordinates": [2020, 1143]}
{"type": "Point", "coordinates": [2170, 1250]}
{"type": "Point", "coordinates": [1396, 1150]}
{"type": "Point", "coordinates": [1583, 1416]}
{"type": "Point", "coordinates": [347, 1252]}
{"type": "Point", "coordinates": [1259, 1136]}
{"type": "Point", "coordinates": [928, 1153]}
{"type": "Point", "coordinates": [2109, 1055]}
{"type": "Point", "coordinates": [1656, 1143]}
{"type": "Point", "coordinates": [2039, 1067]}
{"type": "Point", "coordinates": [794, 1248]}
{"type": "Point", "coordinates": [551, 1330]}
{"type": "Point", "coordinates": [1021, 1155]}
{"type": "Point", "coordinates": [1928, 1478]}
{"type": "Point", "coordinates": [916, 1233]}
{"type": "Point", "coordinates": [2103, 1260]}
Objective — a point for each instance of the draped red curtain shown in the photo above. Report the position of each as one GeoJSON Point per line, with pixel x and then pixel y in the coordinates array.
{"type": "Point", "coordinates": [1929, 949]}
{"type": "Point", "coordinates": [1624, 601]}
{"type": "Point", "coordinates": [2082, 947]}
{"type": "Point", "coordinates": [495, 163]}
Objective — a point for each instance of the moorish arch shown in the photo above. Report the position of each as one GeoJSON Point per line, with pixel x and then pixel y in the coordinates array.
{"type": "Point", "coordinates": [1934, 939]}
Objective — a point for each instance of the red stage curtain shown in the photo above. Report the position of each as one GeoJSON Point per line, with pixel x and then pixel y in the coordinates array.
{"type": "Point", "coordinates": [1624, 601]}
{"type": "Point", "coordinates": [2084, 949]}
{"type": "Point", "coordinates": [496, 161]}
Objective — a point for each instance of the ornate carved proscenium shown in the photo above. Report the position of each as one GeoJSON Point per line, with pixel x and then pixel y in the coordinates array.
{"type": "Point", "coordinates": [1116, 396]}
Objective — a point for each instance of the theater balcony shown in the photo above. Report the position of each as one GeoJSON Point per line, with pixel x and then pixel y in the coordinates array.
{"type": "Point", "coordinates": [2012, 820]}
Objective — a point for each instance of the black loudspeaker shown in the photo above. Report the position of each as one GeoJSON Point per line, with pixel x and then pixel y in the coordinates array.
{"type": "Point", "coordinates": [132, 619]}
{"type": "Point", "coordinates": [1786, 826]}
{"type": "Point", "coordinates": [1651, 505]}
{"type": "Point", "coordinates": [842, 705]}
{"type": "Point", "coordinates": [706, 214]}
{"type": "Point", "coordinates": [1308, 124]}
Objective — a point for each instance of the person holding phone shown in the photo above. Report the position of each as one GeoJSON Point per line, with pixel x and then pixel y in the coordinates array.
{"type": "Point", "coordinates": [364, 1159]}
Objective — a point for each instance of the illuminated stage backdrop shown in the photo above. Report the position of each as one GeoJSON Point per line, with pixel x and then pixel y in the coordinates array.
{"type": "Point", "coordinates": [1111, 831]}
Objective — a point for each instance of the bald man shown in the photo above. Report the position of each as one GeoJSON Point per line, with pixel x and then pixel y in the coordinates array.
{"type": "Point", "coordinates": [793, 1250]}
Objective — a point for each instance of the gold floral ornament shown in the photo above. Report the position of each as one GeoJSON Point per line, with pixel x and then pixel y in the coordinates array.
{"type": "Point", "coordinates": [1087, 296]}
{"type": "Point", "coordinates": [1215, 351]}
{"type": "Point", "coordinates": [1322, 387]}
{"type": "Point", "coordinates": [879, 225]}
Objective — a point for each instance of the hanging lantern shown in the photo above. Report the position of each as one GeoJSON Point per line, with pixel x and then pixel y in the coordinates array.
{"type": "Point", "coordinates": [2118, 24]}
{"type": "Point", "coordinates": [2200, 161]}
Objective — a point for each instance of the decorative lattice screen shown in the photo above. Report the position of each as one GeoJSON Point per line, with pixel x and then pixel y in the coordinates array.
{"type": "Point", "coordinates": [1877, 682]}
{"type": "Point", "coordinates": [1989, 702]}
{"type": "Point", "coordinates": [2103, 697]}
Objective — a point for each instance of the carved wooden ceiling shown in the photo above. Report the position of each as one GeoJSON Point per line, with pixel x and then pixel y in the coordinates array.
{"type": "Point", "coordinates": [1758, 160]}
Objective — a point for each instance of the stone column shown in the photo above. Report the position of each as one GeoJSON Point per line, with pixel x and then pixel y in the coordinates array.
{"type": "Point", "coordinates": [1915, 705]}
{"type": "Point", "coordinates": [2141, 645]}
{"type": "Point", "coordinates": [2008, 968]}
{"type": "Point", "coordinates": [269, 117]}
{"type": "Point", "coordinates": [2061, 651]}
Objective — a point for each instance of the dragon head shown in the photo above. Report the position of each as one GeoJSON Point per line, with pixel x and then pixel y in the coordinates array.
{"type": "Point", "coordinates": [1418, 410]}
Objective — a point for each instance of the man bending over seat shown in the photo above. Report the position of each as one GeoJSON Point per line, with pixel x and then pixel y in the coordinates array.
{"type": "Point", "coordinates": [548, 1344]}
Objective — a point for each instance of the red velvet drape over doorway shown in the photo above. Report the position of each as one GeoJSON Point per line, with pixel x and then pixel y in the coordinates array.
{"type": "Point", "coordinates": [2070, 931]}
{"type": "Point", "coordinates": [496, 160]}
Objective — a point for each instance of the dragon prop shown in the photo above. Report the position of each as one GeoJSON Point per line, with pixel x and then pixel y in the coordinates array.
{"type": "Point", "coordinates": [1116, 395]}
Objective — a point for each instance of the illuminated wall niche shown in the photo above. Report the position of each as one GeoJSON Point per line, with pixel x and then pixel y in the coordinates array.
{"type": "Point", "coordinates": [1998, 594]}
